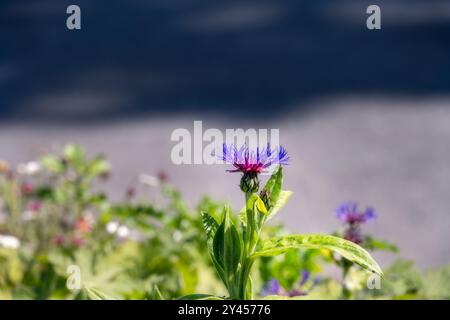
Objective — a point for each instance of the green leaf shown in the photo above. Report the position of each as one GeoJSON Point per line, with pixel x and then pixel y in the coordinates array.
{"type": "Point", "coordinates": [218, 244]}
{"type": "Point", "coordinates": [157, 294]}
{"type": "Point", "coordinates": [249, 289]}
{"type": "Point", "coordinates": [227, 247]}
{"type": "Point", "coordinates": [279, 204]}
{"type": "Point", "coordinates": [210, 225]}
{"type": "Point", "coordinates": [232, 245]}
{"type": "Point", "coordinates": [95, 294]}
{"type": "Point", "coordinates": [273, 186]}
{"type": "Point", "coordinates": [345, 248]}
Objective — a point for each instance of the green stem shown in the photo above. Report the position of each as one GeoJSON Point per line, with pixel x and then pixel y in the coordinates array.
{"type": "Point", "coordinates": [346, 292]}
{"type": "Point", "coordinates": [250, 243]}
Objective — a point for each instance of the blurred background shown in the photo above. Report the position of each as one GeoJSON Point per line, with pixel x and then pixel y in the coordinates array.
{"type": "Point", "coordinates": [364, 114]}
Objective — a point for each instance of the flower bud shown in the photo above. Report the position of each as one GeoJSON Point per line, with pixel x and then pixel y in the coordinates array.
{"type": "Point", "coordinates": [265, 197]}
{"type": "Point", "coordinates": [249, 182]}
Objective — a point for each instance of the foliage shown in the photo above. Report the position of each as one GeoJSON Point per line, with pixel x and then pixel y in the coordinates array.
{"type": "Point", "coordinates": [54, 215]}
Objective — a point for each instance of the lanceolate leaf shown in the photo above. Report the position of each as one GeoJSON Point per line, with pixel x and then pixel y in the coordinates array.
{"type": "Point", "coordinates": [218, 244]}
{"type": "Point", "coordinates": [347, 249]}
{"type": "Point", "coordinates": [214, 235]}
{"type": "Point", "coordinates": [282, 199]}
{"type": "Point", "coordinates": [273, 186]}
{"type": "Point", "coordinates": [232, 245]}
{"type": "Point", "coordinates": [227, 248]}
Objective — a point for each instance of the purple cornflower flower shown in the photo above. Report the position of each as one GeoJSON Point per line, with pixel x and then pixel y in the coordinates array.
{"type": "Point", "coordinates": [273, 287]}
{"type": "Point", "coordinates": [349, 213]}
{"type": "Point", "coordinates": [253, 161]}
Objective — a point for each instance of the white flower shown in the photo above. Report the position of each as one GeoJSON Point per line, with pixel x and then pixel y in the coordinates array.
{"type": "Point", "coordinates": [112, 226]}
{"type": "Point", "coordinates": [31, 168]}
{"type": "Point", "coordinates": [9, 242]}
{"type": "Point", "coordinates": [149, 180]}
{"type": "Point", "coordinates": [123, 232]}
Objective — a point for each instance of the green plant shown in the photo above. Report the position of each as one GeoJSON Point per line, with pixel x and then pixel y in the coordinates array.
{"type": "Point", "coordinates": [234, 249]}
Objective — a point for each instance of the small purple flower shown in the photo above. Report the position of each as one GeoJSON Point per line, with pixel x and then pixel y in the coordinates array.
{"type": "Point", "coordinates": [305, 276]}
{"type": "Point", "coordinates": [273, 287]}
{"type": "Point", "coordinates": [253, 161]}
{"type": "Point", "coordinates": [349, 213]}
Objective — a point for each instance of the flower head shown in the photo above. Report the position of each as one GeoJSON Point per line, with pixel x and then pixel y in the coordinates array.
{"type": "Point", "coordinates": [256, 161]}
{"type": "Point", "coordinates": [349, 213]}
{"type": "Point", "coordinates": [253, 162]}
{"type": "Point", "coordinates": [272, 287]}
